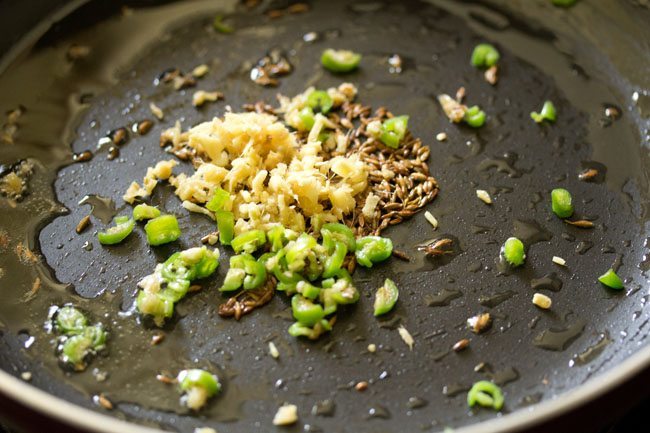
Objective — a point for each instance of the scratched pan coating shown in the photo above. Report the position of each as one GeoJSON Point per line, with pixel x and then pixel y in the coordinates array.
{"type": "Point", "coordinates": [535, 355]}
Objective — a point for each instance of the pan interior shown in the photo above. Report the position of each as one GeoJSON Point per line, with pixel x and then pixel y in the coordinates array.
{"type": "Point", "coordinates": [535, 355]}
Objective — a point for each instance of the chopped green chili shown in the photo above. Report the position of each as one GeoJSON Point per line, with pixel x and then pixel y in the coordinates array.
{"type": "Point", "coordinates": [320, 100]}
{"type": "Point", "coordinates": [156, 305]}
{"type": "Point", "coordinates": [337, 232]}
{"type": "Point", "coordinates": [386, 297]}
{"type": "Point", "coordinates": [475, 117]}
{"type": "Point", "coordinates": [307, 290]}
{"type": "Point", "coordinates": [220, 26]}
{"type": "Point", "coordinates": [219, 199]}
{"type": "Point", "coordinates": [611, 280]}
{"type": "Point", "coordinates": [340, 60]}
{"type": "Point", "coordinates": [116, 234]}
{"type": "Point", "coordinates": [249, 242]}
{"type": "Point", "coordinates": [199, 378]}
{"type": "Point", "coordinates": [305, 311]}
{"type": "Point", "coordinates": [76, 349]}
{"type": "Point", "coordinates": [561, 202]}
{"type": "Point", "coordinates": [393, 130]}
{"type": "Point", "coordinates": [548, 113]}
{"type": "Point", "coordinates": [485, 56]}
{"type": "Point", "coordinates": [486, 394]}
{"type": "Point", "coordinates": [69, 320]}
{"type": "Point", "coordinates": [306, 116]}
{"type": "Point", "coordinates": [335, 260]}
{"type": "Point", "coordinates": [513, 251]}
{"type": "Point", "coordinates": [145, 212]}
{"type": "Point", "coordinates": [373, 249]}
{"type": "Point", "coordinates": [300, 330]}
{"type": "Point", "coordinates": [226, 226]}
{"type": "Point", "coordinates": [162, 230]}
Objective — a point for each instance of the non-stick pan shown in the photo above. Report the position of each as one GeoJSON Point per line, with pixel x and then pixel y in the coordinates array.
{"type": "Point", "coordinates": [78, 70]}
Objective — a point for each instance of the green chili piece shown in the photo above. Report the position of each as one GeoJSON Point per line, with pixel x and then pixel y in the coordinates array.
{"type": "Point", "coordinates": [513, 251]}
{"type": "Point", "coordinates": [74, 351]}
{"type": "Point", "coordinates": [340, 60]}
{"type": "Point", "coordinates": [561, 202]}
{"type": "Point", "coordinates": [175, 290]}
{"type": "Point", "coordinates": [334, 262]}
{"type": "Point", "coordinates": [97, 336]}
{"type": "Point", "coordinates": [548, 113]}
{"type": "Point", "coordinates": [206, 265]}
{"type": "Point", "coordinates": [393, 130]}
{"type": "Point", "coordinates": [255, 273]}
{"type": "Point", "coordinates": [175, 268]}
{"type": "Point", "coordinates": [373, 249]}
{"type": "Point", "coordinates": [233, 280]}
{"type": "Point", "coordinates": [611, 280]}
{"type": "Point", "coordinates": [145, 212]}
{"type": "Point", "coordinates": [220, 26]}
{"type": "Point", "coordinates": [249, 242]}
{"type": "Point", "coordinates": [386, 297]}
{"type": "Point", "coordinates": [485, 56]}
{"type": "Point", "coordinates": [320, 100]}
{"type": "Point", "coordinates": [197, 378]}
{"type": "Point", "coordinates": [69, 320]}
{"type": "Point", "coordinates": [307, 290]}
{"type": "Point", "coordinates": [486, 394]}
{"type": "Point", "coordinates": [475, 117]}
{"type": "Point", "coordinates": [116, 234]}
{"type": "Point", "coordinates": [338, 232]}
{"type": "Point", "coordinates": [298, 250]}
{"type": "Point", "coordinates": [162, 230]}
{"type": "Point", "coordinates": [305, 311]}
{"type": "Point", "coordinates": [306, 116]}
{"type": "Point", "coordinates": [300, 330]}
{"type": "Point", "coordinates": [155, 305]}
{"type": "Point", "coordinates": [226, 226]}
{"type": "Point", "coordinates": [219, 199]}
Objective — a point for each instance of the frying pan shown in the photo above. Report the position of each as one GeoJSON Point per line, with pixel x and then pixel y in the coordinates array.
{"type": "Point", "coordinates": [575, 365]}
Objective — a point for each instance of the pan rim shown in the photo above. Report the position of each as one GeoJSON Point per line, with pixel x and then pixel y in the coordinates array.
{"type": "Point", "coordinates": [71, 414]}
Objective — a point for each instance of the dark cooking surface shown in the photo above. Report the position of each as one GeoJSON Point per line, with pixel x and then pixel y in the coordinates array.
{"type": "Point", "coordinates": [436, 46]}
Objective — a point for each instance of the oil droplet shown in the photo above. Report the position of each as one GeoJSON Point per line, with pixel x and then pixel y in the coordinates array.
{"type": "Point", "coordinates": [101, 207]}
{"type": "Point", "coordinates": [443, 298]}
{"type": "Point", "coordinates": [549, 281]}
{"type": "Point", "coordinates": [495, 299]}
{"type": "Point", "coordinates": [592, 352]}
{"type": "Point", "coordinates": [560, 339]}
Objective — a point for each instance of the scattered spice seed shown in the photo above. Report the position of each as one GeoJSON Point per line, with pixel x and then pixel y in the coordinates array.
{"type": "Point", "coordinates": [118, 136]}
{"type": "Point", "coordinates": [103, 402]}
{"type": "Point", "coordinates": [479, 323]}
{"type": "Point", "coordinates": [441, 136]}
{"type": "Point", "coordinates": [454, 110]}
{"type": "Point", "coordinates": [588, 174]}
{"type": "Point", "coordinates": [542, 301]}
{"type": "Point", "coordinates": [491, 75]}
{"type": "Point", "coordinates": [84, 156]}
{"type": "Point", "coordinates": [298, 8]}
{"type": "Point", "coordinates": [113, 152]}
{"type": "Point", "coordinates": [267, 69]}
{"type": "Point", "coordinates": [286, 415]}
{"type": "Point", "coordinates": [184, 81]}
{"type": "Point", "coordinates": [361, 386]}
{"type": "Point", "coordinates": [395, 64]}
{"type": "Point", "coordinates": [401, 255]}
{"type": "Point", "coordinates": [438, 247]}
{"type": "Point", "coordinates": [156, 339]}
{"type": "Point", "coordinates": [273, 350]}
{"type": "Point", "coordinates": [194, 288]}
{"type": "Point", "coordinates": [83, 224]}
{"type": "Point", "coordinates": [484, 196]}
{"type": "Point", "coordinates": [156, 111]}
{"type": "Point", "coordinates": [200, 97]}
{"type": "Point", "coordinates": [372, 348]}
{"type": "Point", "coordinates": [247, 300]}
{"type": "Point", "coordinates": [166, 379]}
{"type": "Point", "coordinates": [559, 261]}
{"type": "Point", "coordinates": [583, 224]}
{"type": "Point", "coordinates": [200, 71]}
{"type": "Point", "coordinates": [432, 220]}
{"type": "Point", "coordinates": [406, 336]}
{"type": "Point", "coordinates": [460, 94]}
{"type": "Point", "coordinates": [143, 126]}
{"type": "Point", "coordinates": [461, 345]}
{"type": "Point", "coordinates": [210, 238]}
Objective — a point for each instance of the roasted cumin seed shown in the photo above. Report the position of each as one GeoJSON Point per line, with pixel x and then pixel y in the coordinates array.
{"type": "Point", "coordinates": [588, 174]}
{"type": "Point", "coordinates": [401, 255]}
{"type": "Point", "coordinates": [437, 248]}
{"type": "Point", "coordinates": [83, 224]}
{"type": "Point", "coordinates": [583, 224]}
{"type": "Point", "coordinates": [460, 345]}
{"type": "Point", "coordinates": [113, 152]}
{"type": "Point", "coordinates": [84, 156]}
{"type": "Point", "coordinates": [144, 126]}
{"type": "Point", "coordinates": [119, 136]}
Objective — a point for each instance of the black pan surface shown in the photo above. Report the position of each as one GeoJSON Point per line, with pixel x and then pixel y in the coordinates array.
{"type": "Point", "coordinates": [535, 355]}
